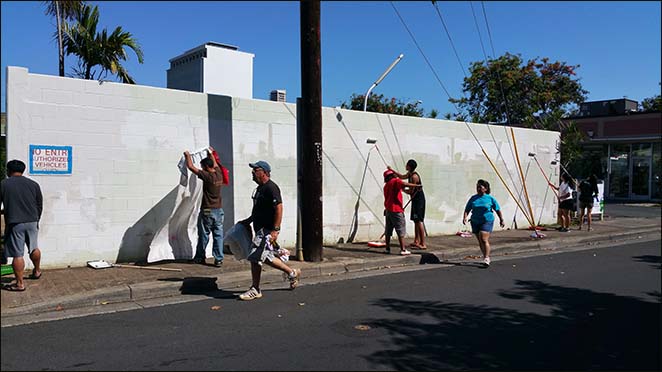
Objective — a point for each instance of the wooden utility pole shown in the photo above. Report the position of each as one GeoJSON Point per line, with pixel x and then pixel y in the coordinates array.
{"type": "Point", "coordinates": [309, 132]}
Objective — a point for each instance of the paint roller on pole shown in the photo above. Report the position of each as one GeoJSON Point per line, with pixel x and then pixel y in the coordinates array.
{"type": "Point", "coordinates": [533, 155]}
{"type": "Point", "coordinates": [355, 219]}
{"type": "Point", "coordinates": [372, 141]}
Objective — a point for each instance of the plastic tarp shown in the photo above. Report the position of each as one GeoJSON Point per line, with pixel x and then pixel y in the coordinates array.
{"type": "Point", "coordinates": [176, 239]}
{"type": "Point", "coordinates": [239, 239]}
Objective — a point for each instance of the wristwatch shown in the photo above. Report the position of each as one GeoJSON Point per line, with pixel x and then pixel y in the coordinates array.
{"type": "Point", "coordinates": [277, 228]}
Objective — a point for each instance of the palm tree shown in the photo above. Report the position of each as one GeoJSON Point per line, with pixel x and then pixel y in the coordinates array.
{"type": "Point", "coordinates": [62, 10]}
{"type": "Point", "coordinates": [93, 49]}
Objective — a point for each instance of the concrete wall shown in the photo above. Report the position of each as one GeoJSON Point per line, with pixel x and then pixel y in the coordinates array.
{"type": "Point", "coordinates": [228, 72]}
{"type": "Point", "coordinates": [128, 139]}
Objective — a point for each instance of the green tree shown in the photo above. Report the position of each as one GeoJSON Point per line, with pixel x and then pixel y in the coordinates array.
{"type": "Point", "coordinates": [509, 91]}
{"type": "Point", "coordinates": [99, 52]}
{"type": "Point", "coordinates": [536, 94]}
{"type": "Point", "coordinates": [433, 114]}
{"type": "Point", "coordinates": [379, 103]}
{"type": "Point", "coordinates": [62, 11]}
{"type": "Point", "coordinates": [570, 147]}
{"type": "Point", "coordinates": [652, 104]}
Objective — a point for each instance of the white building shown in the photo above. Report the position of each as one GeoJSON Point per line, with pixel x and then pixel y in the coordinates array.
{"type": "Point", "coordinates": [213, 68]}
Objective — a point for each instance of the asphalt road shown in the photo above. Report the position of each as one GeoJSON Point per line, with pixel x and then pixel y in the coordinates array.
{"type": "Point", "coordinates": [633, 210]}
{"type": "Point", "coordinates": [590, 309]}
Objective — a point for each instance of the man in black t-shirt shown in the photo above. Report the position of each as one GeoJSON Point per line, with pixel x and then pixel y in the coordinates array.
{"type": "Point", "coordinates": [210, 219]}
{"type": "Point", "coordinates": [266, 217]}
{"type": "Point", "coordinates": [22, 203]}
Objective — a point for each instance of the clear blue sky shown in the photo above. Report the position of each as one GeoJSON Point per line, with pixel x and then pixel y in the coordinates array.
{"type": "Point", "coordinates": [617, 44]}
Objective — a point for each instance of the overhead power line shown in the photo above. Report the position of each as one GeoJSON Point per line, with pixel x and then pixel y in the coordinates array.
{"type": "Point", "coordinates": [500, 155]}
{"type": "Point", "coordinates": [449, 37]}
{"type": "Point", "coordinates": [457, 109]}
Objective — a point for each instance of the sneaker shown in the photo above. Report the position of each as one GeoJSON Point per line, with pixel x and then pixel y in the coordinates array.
{"type": "Point", "coordinates": [405, 253]}
{"type": "Point", "coordinates": [218, 263]}
{"type": "Point", "coordinates": [199, 260]}
{"type": "Point", "coordinates": [387, 251]}
{"type": "Point", "coordinates": [250, 294]}
{"type": "Point", "coordinates": [565, 229]}
{"type": "Point", "coordinates": [486, 262]}
{"type": "Point", "coordinates": [294, 279]}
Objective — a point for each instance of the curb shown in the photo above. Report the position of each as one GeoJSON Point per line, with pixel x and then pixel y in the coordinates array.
{"type": "Point", "coordinates": [240, 279]}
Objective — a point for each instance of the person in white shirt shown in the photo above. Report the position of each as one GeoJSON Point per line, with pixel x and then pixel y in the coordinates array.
{"type": "Point", "coordinates": [565, 200]}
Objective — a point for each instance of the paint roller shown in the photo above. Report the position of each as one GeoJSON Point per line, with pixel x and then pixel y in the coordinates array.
{"type": "Point", "coordinates": [533, 155]}
{"type": "Point", "coordinates": [372, 141]}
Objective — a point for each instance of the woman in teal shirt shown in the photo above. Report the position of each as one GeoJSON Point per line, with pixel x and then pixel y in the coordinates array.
{"type": "Point", "coordinates": [482, 218]}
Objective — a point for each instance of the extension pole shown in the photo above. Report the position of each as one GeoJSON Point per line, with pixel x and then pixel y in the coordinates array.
{"type": "Point", "coordinates": [542, 207]}
{"type": "Point", "coordinates": [381, 156]}
{"type": "Point", "coordinates": [546, 178]}
{"type": "Point", "coordinates": [526, 173]}
{"type": "Point", "coordinates": [521, 173]}
{"type": "Point", "coordinates": [506, 186]}
{"type": "Point", "coordinates": [355, 220]}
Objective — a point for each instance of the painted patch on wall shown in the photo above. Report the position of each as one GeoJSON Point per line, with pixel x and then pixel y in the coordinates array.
{"type": "Point", "coordinates": [47, 159]}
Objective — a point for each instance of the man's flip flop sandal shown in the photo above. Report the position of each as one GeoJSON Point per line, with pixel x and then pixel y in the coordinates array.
{"type": "Point", "coordinates": [13, 288]}
{"type": "Point", "coordinates": [35, 277]}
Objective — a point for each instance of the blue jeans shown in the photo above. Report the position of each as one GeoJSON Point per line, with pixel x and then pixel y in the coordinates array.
{"type": "Point", "coordinates": [210, 221]}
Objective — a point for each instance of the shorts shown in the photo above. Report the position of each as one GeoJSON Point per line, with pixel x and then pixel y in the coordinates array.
{"type": "Point", "coordinates": [486, 226]}
{"type": "Point", "coordinates": [395, 220]}
{"type": "Point", "coordinates": [263, 250]}
{"type": "Point", "coordinates": [585, 205]}
{"type": "Point", "coordinates": [18, 235]}
{"type": "Point", "coordinates": [566, 204]}
{"type": "Point", "coordinates": [418, 209]}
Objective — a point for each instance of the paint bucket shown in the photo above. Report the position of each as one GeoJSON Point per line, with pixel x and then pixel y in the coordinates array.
{"type": "Point", "coordinates": [7, 269]}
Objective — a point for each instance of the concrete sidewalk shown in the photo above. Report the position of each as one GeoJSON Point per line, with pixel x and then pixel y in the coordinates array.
{"type": "Point", "coordinates": [80, 287]}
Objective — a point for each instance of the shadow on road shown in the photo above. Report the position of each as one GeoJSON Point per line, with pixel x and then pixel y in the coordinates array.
{"type": "Point", "coordinates": [584, 330]}
{"type": "Point", "coordinates": [657, 260]}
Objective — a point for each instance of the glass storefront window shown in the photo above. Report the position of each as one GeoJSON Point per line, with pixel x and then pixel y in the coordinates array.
{"type": "Point", "coordinates": [656, 181]}
{"type": "Point", "coordinates": [619, 178]}
{"type": "Point", "coordinates": [641, 167]}
{"type": "Point", "coordinates": [593, 160]}
{"type": "Point", "coordinates": [641, 149]}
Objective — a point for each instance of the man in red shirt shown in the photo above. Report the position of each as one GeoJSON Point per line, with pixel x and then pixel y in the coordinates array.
{"type": "Point", "coordinates": [394, 211]}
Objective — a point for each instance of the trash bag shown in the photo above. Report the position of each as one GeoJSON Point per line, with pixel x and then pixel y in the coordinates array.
{"type": "Point", "coordinates": [238, 239]}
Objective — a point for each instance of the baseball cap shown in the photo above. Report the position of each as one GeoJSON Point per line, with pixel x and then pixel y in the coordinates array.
{"type": "Point", "coordinates": [388, 172]}
{"type": "Point", "coordinates": [261, 164]}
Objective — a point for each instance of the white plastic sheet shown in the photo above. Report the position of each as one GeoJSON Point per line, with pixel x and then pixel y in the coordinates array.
{"type": "Point", "coordinates": [238, 239]}
{"type": "Point", "coordinates": [177, 237]}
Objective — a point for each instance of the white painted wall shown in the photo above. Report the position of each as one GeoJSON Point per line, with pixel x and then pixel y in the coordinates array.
{"type": "Point", "coordinates": [128, 139]}
{"type": "Point", "coordinates": [228, 72]}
